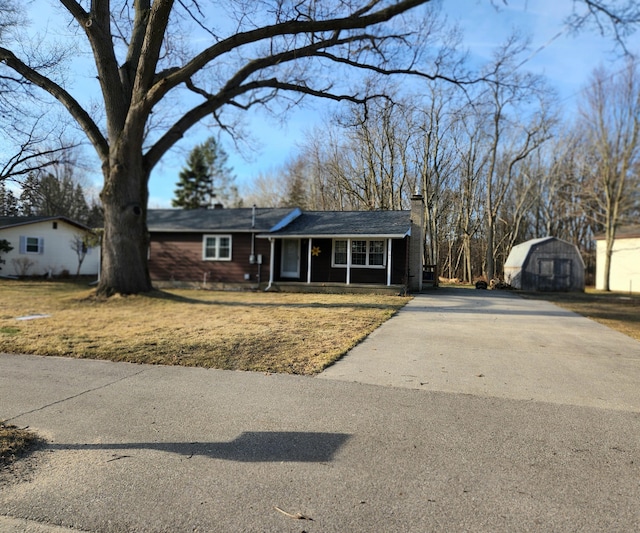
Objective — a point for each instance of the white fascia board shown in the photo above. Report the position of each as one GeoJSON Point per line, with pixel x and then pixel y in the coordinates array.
{"type": "Point", "coordinates": [336, 236]}
{"type": "Point", "coordinates": [202, 230]}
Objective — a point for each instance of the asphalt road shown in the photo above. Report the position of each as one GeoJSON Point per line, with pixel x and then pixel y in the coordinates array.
{"type": "Point", "coordinates": [473, 411]}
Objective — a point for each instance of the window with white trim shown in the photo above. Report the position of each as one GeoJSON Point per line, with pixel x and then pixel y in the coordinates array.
{"type": "Point", "coordinates": [339, 253]}
{"type": "Point", "coordinates": [31, 245]}
{"type": "Point", "coordinates": [364, 253]}
{"type": "Point", "coordinates": [216, 248]}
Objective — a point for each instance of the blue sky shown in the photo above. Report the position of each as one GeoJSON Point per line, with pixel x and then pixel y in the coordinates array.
{"type": "Point", "coordinates": [566, 60]}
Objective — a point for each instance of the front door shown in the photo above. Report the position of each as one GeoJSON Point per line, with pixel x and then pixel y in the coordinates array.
{"type": "Point", "coordinates": [290, 264]}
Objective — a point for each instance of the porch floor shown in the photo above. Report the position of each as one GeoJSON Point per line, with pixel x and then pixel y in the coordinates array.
{"type": "Point", "coordinates": [338, 288]}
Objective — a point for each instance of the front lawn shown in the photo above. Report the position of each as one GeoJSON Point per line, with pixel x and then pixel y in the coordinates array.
{"type": "Point", "coordinates": [268, 332]}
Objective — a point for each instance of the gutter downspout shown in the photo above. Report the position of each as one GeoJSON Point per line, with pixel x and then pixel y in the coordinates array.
{"type": "Point", "coordinates": [253, 233]}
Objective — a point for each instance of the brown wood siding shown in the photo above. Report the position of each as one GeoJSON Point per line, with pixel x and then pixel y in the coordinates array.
{"type": "Point", "coordinates": [178, 257]}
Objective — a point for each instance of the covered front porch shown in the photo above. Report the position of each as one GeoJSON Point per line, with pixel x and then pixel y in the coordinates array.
{"type": "Point", "coordinates": [352, 264]}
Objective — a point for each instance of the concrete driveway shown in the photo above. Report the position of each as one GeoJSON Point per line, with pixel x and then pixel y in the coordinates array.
{"type": "Point", "coordinates": [496, 344]}
{"type": "Point", "coordinates": [471, 411]}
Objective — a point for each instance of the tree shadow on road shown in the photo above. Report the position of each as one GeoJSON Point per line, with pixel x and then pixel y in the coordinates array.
{"type": "Point", "coordinates": [249, 446]}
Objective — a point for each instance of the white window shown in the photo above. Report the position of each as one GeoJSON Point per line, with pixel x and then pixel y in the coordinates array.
{"type": "Point", "coordinates": [216, 248]}
{"type": "Point", "coordinates": [339, 253]}
{"type": "Point", "coordinates": [364, 253]}
{"type": "Point", "coordinates": [31, 245]}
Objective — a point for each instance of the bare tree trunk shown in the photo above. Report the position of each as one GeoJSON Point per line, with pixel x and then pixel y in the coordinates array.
{"type": "Point", "coordinates": [611, 118]}
{"type": "Point", "coordinates": [126, 239]}
{"type": "Point", "coordinates": [610, 238]}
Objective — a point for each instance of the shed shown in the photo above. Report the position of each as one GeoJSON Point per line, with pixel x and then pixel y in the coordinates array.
{"type": "Point", "coordinates": [546, 264]}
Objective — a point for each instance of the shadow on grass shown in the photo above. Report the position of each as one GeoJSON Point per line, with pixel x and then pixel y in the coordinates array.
{"type": "Point", "coordinates": [250, 446]}
{"type": "Point", "coordinates": [163, 295]}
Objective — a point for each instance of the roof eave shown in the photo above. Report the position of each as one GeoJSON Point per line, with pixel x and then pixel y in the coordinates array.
{"type": "Point", "coordinates": [205, 230]}
{"type": "Point", "coordinates": [48, 219]}
{"type": "Point", "coordinates": [334, 236]}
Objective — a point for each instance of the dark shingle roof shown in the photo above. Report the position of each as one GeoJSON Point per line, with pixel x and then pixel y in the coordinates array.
{"type": "Point", "coordinates": [624, 232]}
{"type": "Point", "coordinates": [348, 223]}
{"type": "Point", "coordinates": [520, 252]}
{"type": "Point", "coordinates": [283, 222]}
{"type": "Point", "coordinates": [7, 222]}
{"type": "Point", "coordinates": [237, 220]}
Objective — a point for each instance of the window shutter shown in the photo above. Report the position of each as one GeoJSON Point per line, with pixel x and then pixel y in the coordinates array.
{"type": "Point", "coordinates": [40, 245]}
{"type": "Point", "coordinates": [23, 244]}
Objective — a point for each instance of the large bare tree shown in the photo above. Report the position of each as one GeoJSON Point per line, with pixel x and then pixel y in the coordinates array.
{"type": "Point", "coordinates": [250, 53]}
{"type": "Point", "coordinates": [203, 60]}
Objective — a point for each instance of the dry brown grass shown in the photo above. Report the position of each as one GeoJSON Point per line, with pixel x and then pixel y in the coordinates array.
{"type": "Point", "coordinates": [615, 310]}
{"type": "Point", "coordinates": [14, 442]}
{"type": "Point", "coordinates": [270, 332]}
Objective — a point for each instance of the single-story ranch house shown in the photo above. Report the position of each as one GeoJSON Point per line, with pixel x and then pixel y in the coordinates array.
{"type": "Point", "coordinates": [287, 248]}
{"type": "Point", "coordinates": [625, 260]}
{"type": "Point", "coordinates": [44, 246]}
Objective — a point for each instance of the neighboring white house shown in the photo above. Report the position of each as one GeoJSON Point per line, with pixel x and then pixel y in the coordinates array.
{"type": "Point", "coordinates": [625, 261]}
{"type": "Point", "coordinates": [44, 246]}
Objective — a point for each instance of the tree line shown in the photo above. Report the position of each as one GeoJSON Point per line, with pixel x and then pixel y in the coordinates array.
{"type": "Point", "coordinates": [149, 86]}
{"type": "Point", "coordinates": [46, 193]}
{"type": "Point", "coordinates": [497, 164]}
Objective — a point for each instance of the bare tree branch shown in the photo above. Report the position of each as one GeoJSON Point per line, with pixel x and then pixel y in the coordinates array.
{"type": "Point", "coordinates": [72, 105]}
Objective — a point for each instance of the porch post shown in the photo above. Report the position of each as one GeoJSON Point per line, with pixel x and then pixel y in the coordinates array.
{"type": "Point", "coordinates": [388, 262]}
{"type": "Point", "coordinates": [272, 259]}
{"type": "Point", "coordinates": [309, 260]}
{"type": "Point", "coordinates": [348, 261]}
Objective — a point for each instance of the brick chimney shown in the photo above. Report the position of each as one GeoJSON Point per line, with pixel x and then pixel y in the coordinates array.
{"type": "Point", "coordinates": [416, 243]}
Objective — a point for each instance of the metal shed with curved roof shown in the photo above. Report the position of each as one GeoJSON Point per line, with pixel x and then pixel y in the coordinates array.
{"type": "Point", "coordinates": [546, 264]}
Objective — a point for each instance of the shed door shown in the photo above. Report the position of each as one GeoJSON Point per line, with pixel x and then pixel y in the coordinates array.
{"type": "Point", "coordinates": [554, 274]}
{"type": "Point", "coordinates": [290, 266]}
{"type": "Point", "coordinates": [562, 273]}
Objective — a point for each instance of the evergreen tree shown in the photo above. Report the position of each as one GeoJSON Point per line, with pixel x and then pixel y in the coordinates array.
{"type": "Point", "coordinates": [8, 202]}
{"type": "Point", "coordinates": [194, 188]}
{"type": "Point", "coordinates": [95, 219]}
{"type": "Point", "coordinates": [5, 248]}
{"type": "Point", "coordinates": [30, 197]}
{"type": "Point", "coordinates": [222, 178]}
{"type": "Point", "coordinates": [206, 178]}
{"type": "Point", "coordinates": [48, 195]}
